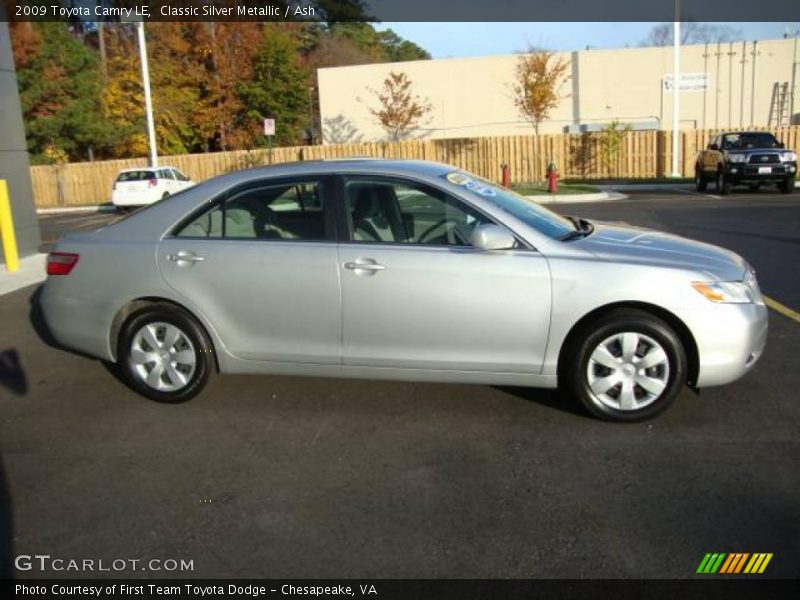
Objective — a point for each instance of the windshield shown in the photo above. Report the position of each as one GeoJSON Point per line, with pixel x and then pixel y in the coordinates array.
{"type": "Point", "coordinates": [541, 219]}
{"type": "Point", "coordinates": [744, 141]}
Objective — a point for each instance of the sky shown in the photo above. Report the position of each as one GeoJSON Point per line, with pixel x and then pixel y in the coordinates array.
{"type": "Point", "coordinates": [446, 40]}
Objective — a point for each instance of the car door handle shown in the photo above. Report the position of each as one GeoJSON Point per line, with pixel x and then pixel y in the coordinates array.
{"type": "Point", "coordinates": [185, 257]}
{"type": "Point", "coordinates": [364, 266]}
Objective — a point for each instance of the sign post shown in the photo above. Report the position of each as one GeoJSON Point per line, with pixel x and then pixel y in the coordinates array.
{"type": "Point", "coordinates": [269, 131]}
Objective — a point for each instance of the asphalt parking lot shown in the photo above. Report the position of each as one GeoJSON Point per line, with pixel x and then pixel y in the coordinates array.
{"type": "Point", "coordinates": [298, 477]}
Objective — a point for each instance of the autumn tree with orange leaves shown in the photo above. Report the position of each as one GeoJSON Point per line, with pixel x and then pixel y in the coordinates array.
{"type": "Point", "coordinates": [539, 77]}
{"type": "Point", "coordinates": [400, 111]}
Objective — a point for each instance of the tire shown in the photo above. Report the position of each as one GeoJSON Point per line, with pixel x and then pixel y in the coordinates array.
{"type": "Point", "coordinates": [165, 196]}
{"type": "Point", "coordinates": [166, 374]}
{"type": "Point", "coordinates": [700, 181]}
{"type": "Point", "coordinates": [786, 186]}
{"type": "Point", "coordinates": [617, 394]}
{"type": "Point", "coordinates": [723, 184]}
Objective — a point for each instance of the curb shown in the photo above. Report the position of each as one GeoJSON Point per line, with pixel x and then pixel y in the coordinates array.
{"type": "Point", "coordinates": [577, 198]}
{"type": "Point", "coordinates": [102, 208]}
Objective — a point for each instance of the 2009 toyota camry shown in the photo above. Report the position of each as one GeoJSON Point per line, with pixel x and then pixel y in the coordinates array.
{"type": "Point", "coordinates": [401, 270]}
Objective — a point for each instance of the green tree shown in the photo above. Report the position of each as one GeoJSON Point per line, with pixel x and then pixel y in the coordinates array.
{"type": "Point", "coordinates": [60, 91]}
{"type": "Point", "coordinates": [611, 139]}
{"type": "Point", "coordinates": [278, 88]}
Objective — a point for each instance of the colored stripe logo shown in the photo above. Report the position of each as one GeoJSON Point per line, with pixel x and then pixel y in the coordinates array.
{"type": "Point", "coordinates": [734, 563]}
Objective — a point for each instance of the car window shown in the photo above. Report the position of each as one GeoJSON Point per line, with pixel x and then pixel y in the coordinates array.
{"type": "Point", "coordinates": [178, 175]}
{"type": "Point", "coordinates": [285, 211]}
{"type": "Point", "coordinates": [165, 174]}
{"type": "Point", "coordinates": [393, 211]}
{"type": "Point", "coordinates": [135, 176]}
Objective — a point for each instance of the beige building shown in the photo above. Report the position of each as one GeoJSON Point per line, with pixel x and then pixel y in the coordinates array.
{"type": "Point", "coordinates": [726, 85]}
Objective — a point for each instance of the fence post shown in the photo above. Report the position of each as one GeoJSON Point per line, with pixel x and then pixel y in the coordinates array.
{"type": "Point", "coordinates": [7, 230]}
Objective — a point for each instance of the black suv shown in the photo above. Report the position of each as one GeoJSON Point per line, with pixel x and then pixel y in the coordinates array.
{"type": "Point", "coordinates": [745, 157]}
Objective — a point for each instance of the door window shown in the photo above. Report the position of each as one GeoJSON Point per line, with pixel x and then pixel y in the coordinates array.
{"type": "Point", "coordinates": [403, 212]}
{"type": "Point", "coordinates": [280, 211]}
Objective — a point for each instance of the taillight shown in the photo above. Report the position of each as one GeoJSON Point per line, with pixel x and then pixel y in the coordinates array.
{"type": "Point", "coordinates": [61, 263]}
{"type": "Point", "coordinates": [153, 182]}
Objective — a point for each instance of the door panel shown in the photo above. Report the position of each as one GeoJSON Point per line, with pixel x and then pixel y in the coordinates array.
{"type": "Point", "coordinates": [267, 300]}
{"type": "Point", "coordinates": [452, 308]}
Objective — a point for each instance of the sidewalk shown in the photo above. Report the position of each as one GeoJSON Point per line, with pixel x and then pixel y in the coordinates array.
{"type": "Point", "coordinates": [32, 269]}
{"type": "Point", "coordinates": [604, 196]}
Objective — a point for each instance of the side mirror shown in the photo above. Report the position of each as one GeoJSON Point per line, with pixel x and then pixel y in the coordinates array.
{"type": "Point", "coordinates": [780, 145]}
{"type": "Point", "coordinates": [492, 237]}
{"type": "Point", "coordinates": [713, 147]}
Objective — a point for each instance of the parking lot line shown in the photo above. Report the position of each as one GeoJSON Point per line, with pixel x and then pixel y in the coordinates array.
{"type": "Point", "coordinates": [784, 310]}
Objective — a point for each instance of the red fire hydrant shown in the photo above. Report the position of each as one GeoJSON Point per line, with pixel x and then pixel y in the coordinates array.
{"type": "Point", "coordinates": [552, 178]}
{"type": "Point", "coordinates": [506, 175]}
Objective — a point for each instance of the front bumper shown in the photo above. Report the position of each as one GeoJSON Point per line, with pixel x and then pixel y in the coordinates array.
{"type": "Point", "coordinates": [730, 339]}
{"type": "Point", "coordinates": [737, 172]}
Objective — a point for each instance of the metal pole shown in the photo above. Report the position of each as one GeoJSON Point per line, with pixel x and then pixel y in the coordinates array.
{"type": "Point", "coordinates": [148, 101]}
{"type": "Point", "coordinates": [676, 87]}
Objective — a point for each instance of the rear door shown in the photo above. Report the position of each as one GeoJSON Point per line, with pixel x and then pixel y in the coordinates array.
{"type": "Point", "coordinates": [265, 275]}
{"type": "Point", "coordinates": [416, 294]}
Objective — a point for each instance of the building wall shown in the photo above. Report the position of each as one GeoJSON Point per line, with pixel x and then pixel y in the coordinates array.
{"type": "Point", "coordinates": [14, 167]}
{"type": "Point", "coordinates": [473, 96]}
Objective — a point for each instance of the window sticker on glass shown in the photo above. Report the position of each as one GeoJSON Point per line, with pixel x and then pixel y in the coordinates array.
{"type": "Point", "coordinates": [471, 184]}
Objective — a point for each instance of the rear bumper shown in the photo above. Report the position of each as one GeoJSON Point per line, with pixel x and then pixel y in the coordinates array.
{"type": "Point", "coordinates": [133, 199]}
{"type": "Point", "coordinates": [77, 323]}
{"type": "Point", "coordinates": [730, 339]}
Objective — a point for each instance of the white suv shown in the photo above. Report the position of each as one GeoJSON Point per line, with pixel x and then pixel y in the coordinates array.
{"type": "Point", "coordinates": [137, 187]}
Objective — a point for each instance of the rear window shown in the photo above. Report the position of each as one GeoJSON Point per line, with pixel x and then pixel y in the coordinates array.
{"type": "Point", "coordinates": [136, 176]}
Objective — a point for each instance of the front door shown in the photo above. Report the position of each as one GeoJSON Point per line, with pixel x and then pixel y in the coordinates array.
{"type": "Point", "coordinates": [416, 294]}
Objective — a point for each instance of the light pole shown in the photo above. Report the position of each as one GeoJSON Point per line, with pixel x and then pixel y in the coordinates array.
{"type": "Point", "coordinates": [148, 101]}
{"type": "Point", "coordinates": [676, 88]}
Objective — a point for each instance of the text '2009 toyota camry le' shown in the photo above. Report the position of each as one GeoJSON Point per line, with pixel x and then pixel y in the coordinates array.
{"type": "Point", "coordinates": [407, 270]}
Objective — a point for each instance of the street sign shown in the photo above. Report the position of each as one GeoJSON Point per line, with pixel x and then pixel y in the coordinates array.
{"type": "Point", "coordinates": [269, 126]}
{"type": "Point", "coordinates": [689, 82]}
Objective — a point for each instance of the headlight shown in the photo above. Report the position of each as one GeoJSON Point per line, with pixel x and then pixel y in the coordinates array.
{"type": "Point", "coordinates": [788, 156]}
{"type": "Point", "coordinates": [725, 292]}
{"type": "Point", "coordinates": [737, 158]}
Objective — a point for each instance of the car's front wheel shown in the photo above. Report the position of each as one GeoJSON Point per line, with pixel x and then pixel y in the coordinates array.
{"type": "Point", "coordinates": [700, 181]}
{"type": "Point", "coordinates": [626, 366]}
{"type": "Point", "coordinates": [786, 186]}
{"type": "Point", "coordinates": [723, 183]}
{"type": "Point", "coordinates": [164, 354]}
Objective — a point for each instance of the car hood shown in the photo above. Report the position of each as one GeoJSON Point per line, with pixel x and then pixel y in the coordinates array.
{"type": "Point", "coordinates": [615, 241]}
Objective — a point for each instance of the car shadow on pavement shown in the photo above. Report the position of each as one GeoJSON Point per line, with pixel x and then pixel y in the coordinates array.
{"type": "Point", "coordinates": [554, 399]}
{"type": "Point", "coordinates": [6, 527]}
{"type": "Point", "coordinates": [12, 374]}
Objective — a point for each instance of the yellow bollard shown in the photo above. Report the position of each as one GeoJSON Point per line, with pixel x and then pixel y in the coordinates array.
{"type": "Point", "coordinates": [7, 230]}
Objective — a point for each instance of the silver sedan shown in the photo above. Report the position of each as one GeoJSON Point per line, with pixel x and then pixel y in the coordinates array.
{"type": "Point", "coordinates": [401, 270]}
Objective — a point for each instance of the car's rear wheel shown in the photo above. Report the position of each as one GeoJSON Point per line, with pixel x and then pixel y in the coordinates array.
{"type": "Point", "coordinates": [626, 366]}
{"type": "Point", "coordinates": [700, 181]}
{"type": "Point", "coordinates": [723, 183]}
{"type": "Point", "coordinates": [164, 354]}
{"type": "Point", "coordinates": [787, 185]}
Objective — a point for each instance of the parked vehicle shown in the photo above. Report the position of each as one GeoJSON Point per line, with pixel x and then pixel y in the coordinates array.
{"type": "Point", "coordinates": [138, 187]}
{"type": "Point", "coordinates": [754, 158]}
{"type": "Point", "coordinates": [401, 270]}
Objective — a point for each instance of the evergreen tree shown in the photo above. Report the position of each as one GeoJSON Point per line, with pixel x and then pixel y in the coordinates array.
{"type": "Point", "coordinates": [278, 88]}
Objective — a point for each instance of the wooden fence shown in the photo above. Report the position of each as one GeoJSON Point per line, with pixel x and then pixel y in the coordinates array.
{"type": "Point", "coordinates": [641, 154]}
